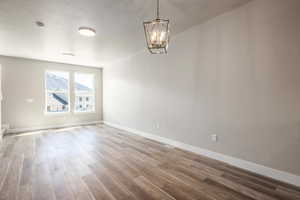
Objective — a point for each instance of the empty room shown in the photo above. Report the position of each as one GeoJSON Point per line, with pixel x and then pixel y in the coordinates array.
{"type": "Point", "coordinates": [150, 99]}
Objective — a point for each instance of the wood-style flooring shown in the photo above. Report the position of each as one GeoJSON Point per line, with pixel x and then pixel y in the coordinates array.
{"type": "Point", "coordinates": [103, 163]}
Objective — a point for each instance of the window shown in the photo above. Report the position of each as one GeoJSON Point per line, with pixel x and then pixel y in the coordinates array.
{"type": "Point", "coordinates": [84, 92]}
{"type": "Point", "coordinates": [57, 92]}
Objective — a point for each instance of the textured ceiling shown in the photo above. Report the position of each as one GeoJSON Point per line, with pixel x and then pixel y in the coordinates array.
{"type": "Point", "coordinates": [118, 24]}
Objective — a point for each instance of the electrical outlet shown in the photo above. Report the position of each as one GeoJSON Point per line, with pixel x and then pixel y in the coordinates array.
{"type": "Point", "coordinates": [157, 125]}
{"type": "Point", "coordinates": [214, 138]}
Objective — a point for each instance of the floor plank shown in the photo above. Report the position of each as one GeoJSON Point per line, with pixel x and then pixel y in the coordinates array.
{"type": "Point", "coordinates": [101, 162]}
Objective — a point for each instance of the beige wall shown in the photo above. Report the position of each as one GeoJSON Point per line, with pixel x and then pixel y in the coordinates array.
{"type": "Point", "coordinates": [1, 134]}
{"type": "Point", "coordinates": [23, 79]}
{"type": "Point", "coordinates": [237, 76]}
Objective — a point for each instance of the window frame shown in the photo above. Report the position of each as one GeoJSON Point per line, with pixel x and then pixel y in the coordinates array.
{"type": "Point", "coordinates": [47, 91]}
{"type": "Point", "coordinates": [94, 93]}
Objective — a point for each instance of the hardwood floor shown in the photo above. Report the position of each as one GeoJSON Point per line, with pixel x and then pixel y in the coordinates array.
{"type": "Point", "coordinates": [99, 162]}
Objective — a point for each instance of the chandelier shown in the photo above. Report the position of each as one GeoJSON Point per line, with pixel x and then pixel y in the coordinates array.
{"type": "Point", "coordinates": [157, 34]}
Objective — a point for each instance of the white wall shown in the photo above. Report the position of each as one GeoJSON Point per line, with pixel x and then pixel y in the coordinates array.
{"type": "Point", "coordinates": [237, 76]}
{"type": "Point", "coordinates": [23, 79]}
{"type": "Point", "coordinates": [1, 133]}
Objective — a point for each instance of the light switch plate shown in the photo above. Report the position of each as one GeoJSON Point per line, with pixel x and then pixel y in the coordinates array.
{"type": "Point", "coordinates": [214, 138]}
{"type": "Point", "coordinates": [29, 100]}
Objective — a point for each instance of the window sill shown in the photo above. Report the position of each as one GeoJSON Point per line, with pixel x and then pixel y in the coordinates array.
{"type": "Point", "coordinates": [83, 112]}
{"type": "Point", "coordinates": [56, 113]}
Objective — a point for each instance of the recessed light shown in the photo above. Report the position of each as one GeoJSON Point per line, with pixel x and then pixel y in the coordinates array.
{"type": "Point", "coordinates": [39, 23]}
{"type": "Point", "coordinates": [68, 54]}
{"type": "Point", "coordinates": [86, 31]}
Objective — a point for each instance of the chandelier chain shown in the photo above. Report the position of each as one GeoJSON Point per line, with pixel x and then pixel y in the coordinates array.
{"type": "Point", "coordinates": [157, 10]}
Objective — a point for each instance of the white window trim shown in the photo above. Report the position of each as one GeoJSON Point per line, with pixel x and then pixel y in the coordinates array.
{"type": "Point", "coordinates": [47, 91]}
{"type": "Point", "coordinates": [94, 94]}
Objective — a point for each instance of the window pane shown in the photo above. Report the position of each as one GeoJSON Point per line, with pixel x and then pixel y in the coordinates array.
{"type": "Point", "coordinates": [86, 104]}
{"type": "Point", "coordinates": [57, 102]}
{"type": "Point", "coordinates": [84, 92]}
{"type": "Point", "coordinates": [57, 81]}
{"type": "Point", "coordinates": [57, 96]}
{"type": "Point", "coordinates": [84, 82]}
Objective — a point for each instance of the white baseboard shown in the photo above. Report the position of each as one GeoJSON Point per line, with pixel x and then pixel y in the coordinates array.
{"type": "Point", "coordinates": [250, 166]}
{"type": "Point", "coordinates": [21, 130]}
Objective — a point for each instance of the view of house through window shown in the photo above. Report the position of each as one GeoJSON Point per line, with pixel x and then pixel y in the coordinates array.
{"type": "Point", "coordinates": [84, 92]}
{"type": "Point", "coordinates": [57, 92]}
